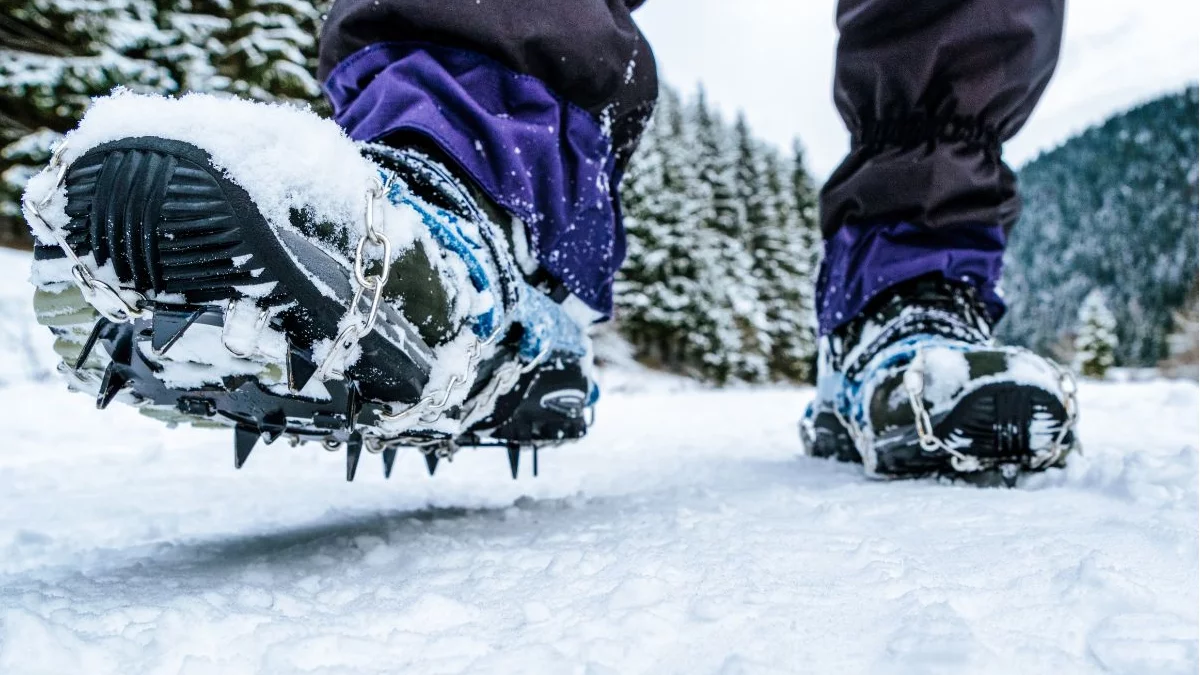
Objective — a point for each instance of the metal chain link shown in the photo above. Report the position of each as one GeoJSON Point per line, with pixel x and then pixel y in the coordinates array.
{"type": "Point", "coordinates": [914, 384]}
{"type": "Point", "coordinates": [433, 405]}
{"type": "Point", "coordinates": [430, 409]}
{"type": "Point", "coordinates": [505, 378]}
{"type": "Point", "coordinates": [374, 444]}
{"type": "Point", "coordinates": [99, 294]}
{"type": "Point", "coordinates": [358, 325]}
{"type": "Point", "coordinates": [1070, 389]}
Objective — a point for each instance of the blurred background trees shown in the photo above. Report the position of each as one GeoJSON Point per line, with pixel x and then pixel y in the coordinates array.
{"type": "Point", "coordinates": [723, 237]}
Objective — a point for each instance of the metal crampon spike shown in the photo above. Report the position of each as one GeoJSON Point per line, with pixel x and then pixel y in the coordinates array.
{"type": "Point", "coordinates": [101, 326]}
{"type": "Point", "coordinates": [272, 425]}
{"type": "Point", "coordinates": [514, 459]}
{"type": "Point", "coordinates": [431, 461]}
{"type": "Point", "coordinates": [119, 370]}
{"type": "Point", "coordinates": [168, 325]}
{"type": "Point", "coordinates": [353, 404]}
{"type": "Point", "coordinates": [244, 440]}
{"type": "Point", "coordinates": [354, 447]}
{"type": "Point", "coordinates": [116, 376]}
{"type": "Point", "coordinates": [389, 459]}
{"type": "Point", "coordinates": [300, 367]}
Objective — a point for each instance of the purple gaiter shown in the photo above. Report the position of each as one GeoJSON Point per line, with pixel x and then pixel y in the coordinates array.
{"type": "Point", "coordinates": [863, 261]}
{"type": "Point", "coordinates": [536, 155]}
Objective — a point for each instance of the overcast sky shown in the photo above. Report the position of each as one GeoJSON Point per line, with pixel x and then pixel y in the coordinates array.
{"type": "Point", "coordinates": [774, 60]}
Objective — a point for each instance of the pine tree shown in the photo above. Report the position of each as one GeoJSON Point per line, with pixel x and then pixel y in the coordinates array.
{"type": "Point", "coordinates": [781, 260]}
{"type": "Point", "coordinates": [268, 51]}
{"type": "Point", "coordinates": [57, 54]}
{"type": "Point", "coordinates": [677, 294]}
{"type": "Point", "coordinates": [716, 167]}
{"type": "Point", "coordinates": [749, 172]}
{"type": "Point", "coordinates": [641, 309]}
{"type": "Point", "coordinates": [804, 203]}
{"type": "Point", "coordinates": [1096, 339]}
{"type": "Point", "coordinates": [803, 210]}
{"type": "Point", "coordinates": [657, 291]}
{"type": "Point", "coordinates": [786, 263]}
{"type": "Point", "coordinates": [735, 319]}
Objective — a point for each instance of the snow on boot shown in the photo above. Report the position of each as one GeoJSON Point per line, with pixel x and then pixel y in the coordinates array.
{"type": "Point", "coordinates": [224, 262]}
{"type": "Point", "coordinates": [915, 387]}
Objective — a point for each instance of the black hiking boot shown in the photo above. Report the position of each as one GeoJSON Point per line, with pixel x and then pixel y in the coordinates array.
{"type": "Point", "coordinates": [223, 262]}
{"type": "Point", "coordinates": [914, 387]}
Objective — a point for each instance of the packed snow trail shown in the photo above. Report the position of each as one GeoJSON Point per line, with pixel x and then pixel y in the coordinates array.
{"type": "Point", "coordinates": [683, 536]}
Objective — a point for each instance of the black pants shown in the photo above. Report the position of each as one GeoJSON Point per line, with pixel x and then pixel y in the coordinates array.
{"type": "Point", "coordinates": [929, 90]}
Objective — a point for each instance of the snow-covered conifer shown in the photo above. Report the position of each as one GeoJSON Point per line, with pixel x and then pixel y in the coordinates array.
{"type": "Point", "coordinates": [657, 291]}
{"type": "Point", "coordinates": [1096, 338]}
{"type": "Point", "coordinates": [785, 262]}
{"type": "Point", "coordinates": [268, 49]}
{"type": "Point", "coordinates": [1183, 344]}
{"type": "Point", "coordinates": [57, 54]}
{"type": "Point", "coordinates": [696, 295]}
{"type": "Point", "coordinates": [735, 316]}
{"type": "Point", "coordinates": [1114, 208]}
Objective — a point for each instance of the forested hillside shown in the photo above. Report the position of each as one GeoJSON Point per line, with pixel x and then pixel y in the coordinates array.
{"type": "Point", "coordinates": [723, 239]}
{"type": "Point", "coordinates": [1113, 209]}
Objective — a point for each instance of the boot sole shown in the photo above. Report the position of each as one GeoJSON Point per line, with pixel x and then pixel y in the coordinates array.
{"type": "Point", "coordinates": [996, 423]}
{"type": "Point", "coordinates": [175, 229]}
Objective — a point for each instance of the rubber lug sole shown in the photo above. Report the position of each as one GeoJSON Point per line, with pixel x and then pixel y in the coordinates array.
{"type": "Point", "coordinates": [176, 229]}
{"type": "Point", "coordinates": [160, 217]}
{"type": "Point", "coordinates": [998, 423]}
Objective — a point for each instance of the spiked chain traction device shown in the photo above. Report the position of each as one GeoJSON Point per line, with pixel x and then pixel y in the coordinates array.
{"type": "Point", "coordinates": [914, 386]}
{"type": "Point", "coordinates": [356, 324]}
{"type": "Point", "coordinates": [345, 419]}
{"type": "Point", "coordinates": [1010, 406]}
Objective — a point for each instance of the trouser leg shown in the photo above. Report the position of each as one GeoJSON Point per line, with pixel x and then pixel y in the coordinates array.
{"type": "Point", "coordinates": [540, 102]}
{"type": "Point", "coordinates": [929, 91]}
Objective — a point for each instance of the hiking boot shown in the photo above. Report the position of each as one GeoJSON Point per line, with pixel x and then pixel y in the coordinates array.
{"type": "Point", "coordinates": [230, 263]}
{"type": "Point", "coordinates": [915, 387]}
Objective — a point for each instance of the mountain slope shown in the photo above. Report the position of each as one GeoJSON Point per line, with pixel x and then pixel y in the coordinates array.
{"type": "Point", "coordinates": [1114, 208]}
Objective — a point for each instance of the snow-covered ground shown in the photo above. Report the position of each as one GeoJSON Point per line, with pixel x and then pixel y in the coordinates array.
{"type": "Point", "coordinates": [684, 535]}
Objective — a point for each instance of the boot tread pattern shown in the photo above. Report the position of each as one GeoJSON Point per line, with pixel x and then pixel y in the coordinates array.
{"type": "Point", "coordinates": [163, 221]}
